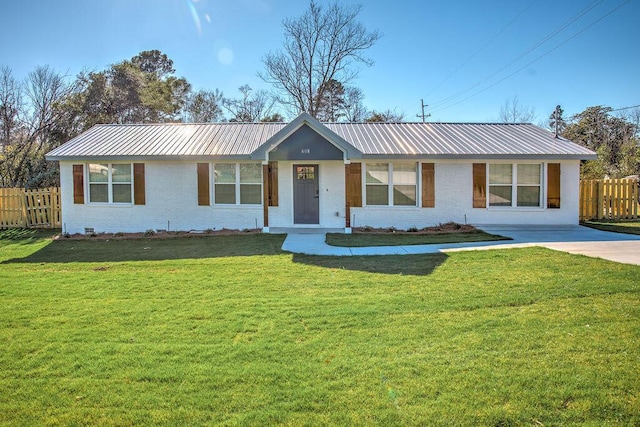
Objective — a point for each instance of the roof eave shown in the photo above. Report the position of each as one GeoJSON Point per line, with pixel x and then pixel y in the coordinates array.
{"type": "Point", "coordinates": [245, 157]}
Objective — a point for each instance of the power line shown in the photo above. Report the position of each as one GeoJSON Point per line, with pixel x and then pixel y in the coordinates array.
{"type": "Point", "coordinates": [625, 108]}
{"type": "Point", "coordinates": [537, 59]}
{"type": "Point", "coordinates": [525, 53]}
{"type": "Point", "coordinates": [482, 48]}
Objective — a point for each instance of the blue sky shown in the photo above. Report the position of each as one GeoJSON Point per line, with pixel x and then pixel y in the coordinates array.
{"type": "Point", "coordinates": [429, 49]}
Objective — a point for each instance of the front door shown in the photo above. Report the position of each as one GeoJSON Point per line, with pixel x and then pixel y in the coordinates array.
{"type": "Point", "coordinates": [306, 201]}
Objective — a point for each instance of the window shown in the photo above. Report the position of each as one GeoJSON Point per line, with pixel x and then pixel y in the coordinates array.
{"type": "Point", "coordinates": [237, 183]}
{"type": "Point", "coordinates": [500, 185]}
{"type": "Point", "coordinates": [395, 182]}
{"type": "Point", "coordinates": [250, 183]}
{"type": "Point", "coordinates": [528, 185]}
{"type": "Point", "coordinates": [404, 184]}
{"type": "Point", "coordinates": [110, 183]}
{"type": "Point", "coordinates": [224, 178]}
{"type": "Point", "coordinates": [377, 184]}
{"type": "Point", "coordinates": [525, 189]}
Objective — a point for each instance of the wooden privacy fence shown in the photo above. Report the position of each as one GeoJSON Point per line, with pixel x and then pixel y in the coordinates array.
{"type": "Point", "coordinates": [609, 199]}
{"type": "Point", "coordinates": [38, 208]}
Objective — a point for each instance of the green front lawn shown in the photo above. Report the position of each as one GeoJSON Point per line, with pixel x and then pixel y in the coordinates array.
{"type": "Point", "coordinates": [233, 331]}
{"type": "Point", "coordinates": [629, 227]}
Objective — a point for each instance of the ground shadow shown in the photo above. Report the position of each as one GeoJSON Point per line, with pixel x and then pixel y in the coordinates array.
{"type": "Point", "coordinates": [410, 265]}
{"type": "Point", "coordinates": [154, 249]}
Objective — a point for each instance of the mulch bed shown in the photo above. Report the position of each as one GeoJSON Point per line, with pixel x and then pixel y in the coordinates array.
{"type": "Point", "coordinates": [449, 227]}
{"type": "Point", "coordinates": [155, 234]}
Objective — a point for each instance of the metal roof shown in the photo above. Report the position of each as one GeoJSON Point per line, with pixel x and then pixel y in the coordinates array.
{"type": "Point", "coordinates": [240, 140]}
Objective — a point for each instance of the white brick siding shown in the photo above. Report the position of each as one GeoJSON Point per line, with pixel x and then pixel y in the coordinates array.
{"type": "Point", "coordinates": [454, 202]}
{"type": "Point", "coordinates": [172, 202]}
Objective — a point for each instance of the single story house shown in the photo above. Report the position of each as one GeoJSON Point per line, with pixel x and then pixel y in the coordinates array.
{"type": "Point", "coordinates": [137, 177]}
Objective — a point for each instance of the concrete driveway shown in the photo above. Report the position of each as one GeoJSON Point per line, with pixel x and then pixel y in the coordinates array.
{"type": "Point", "coordinates": [587, 241]}
{"type": "Point", "coordinates": [617, 247]}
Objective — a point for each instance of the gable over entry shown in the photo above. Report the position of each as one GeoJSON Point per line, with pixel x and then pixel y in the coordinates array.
{"type": "Point", "coordinates": [306, 144]}
{"type": "Point", "coordinates": [305, 138]}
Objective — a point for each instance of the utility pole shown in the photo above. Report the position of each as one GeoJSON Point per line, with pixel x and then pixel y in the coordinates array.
{"type": "Point", "coordinates": [423, 115]}
{"type": "Point", "coordinates": [556, 116]}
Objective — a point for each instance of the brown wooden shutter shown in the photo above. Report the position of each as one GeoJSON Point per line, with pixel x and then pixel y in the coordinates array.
{"type": "Point", "coordinates": [553, 186]}
{"type": "Point", "coordinates": [428, 185]}
{"type": "Point", "coordinates": [203, 184]}
{"type": "Point", "coordinates": [78, 184]}
{"type": "Point", "coordinates": [138, 184]}
{"type": "Point", "coordinates": [273, 183]}
{"type": "Point", "coordinates": [479, 185]}
{"type": "Point", "coordinates": [354, 185]}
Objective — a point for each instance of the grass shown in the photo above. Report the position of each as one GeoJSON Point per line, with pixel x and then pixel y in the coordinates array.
{"type": "Point", "coordinates": [254, 336]}
{"type": "Point", "coordinates": [628, 227]}
{"type": "Point", "coordinates": [400, 239]}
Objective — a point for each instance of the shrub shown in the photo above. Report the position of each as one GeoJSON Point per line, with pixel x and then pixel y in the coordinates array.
{"type": "Point", "coordinates": [149, 233]}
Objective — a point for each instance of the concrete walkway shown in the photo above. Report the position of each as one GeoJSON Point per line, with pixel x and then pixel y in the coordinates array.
{"type": "Point", "coordinates": [617, 247]}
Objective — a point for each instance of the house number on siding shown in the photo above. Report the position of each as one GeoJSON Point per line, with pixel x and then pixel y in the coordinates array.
{"type": "Point", "coordinates": [305, 151]}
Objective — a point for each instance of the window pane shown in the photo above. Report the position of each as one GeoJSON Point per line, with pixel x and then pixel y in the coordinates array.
{"type": "Point", "coordinates": [305, 172]}
{"type": "Point", "coordinates": [377, 173]}
{"type": "Point", "coordinates": [500, 195]}
{"type": "Point", "coordinates": [528, 196]}
{"type": "Point", "coordinates": [250, 194]}
{"type": "Point", "coordinates": [404, 173]}
{"type": "Point", "coordinates": [499, 174]}
{"type": "Point", "coordinates": [121, 173]}
{"type": "Point", "coordinates": [250, 173]}
{"type": "Point", "coordinates": [224, 173]}
{"type": "Point", "coordinates": [98, 193]}
{"type": "Point", "coordinates": [226, 194]}
{"type": "Point", "coordinates": [377, 194]}
{"type": "Point", "coordinates": [528, 174]}
{"type": "Point", "coordinates": [404, 195]}
{"type": "Point", "coordinates": [121, 193]}
{"type": "Point", "coordinates": [98, 172]}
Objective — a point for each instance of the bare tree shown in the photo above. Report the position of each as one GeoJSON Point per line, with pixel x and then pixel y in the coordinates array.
{"type": "Point", "coordinates": [632, 116]}
{"type": "Point", "coordinates": [513, 112]}
{"type": "Point", "coordinates": [32, 124]}
{"type": "Point", "coordinates": [354, 109]}
{"type": "Point", "coordinates": [10, 106]}
{"type": "Point", "coordinates": [252, 107]}
{"type": "Point", "coordinates": [321, 45]}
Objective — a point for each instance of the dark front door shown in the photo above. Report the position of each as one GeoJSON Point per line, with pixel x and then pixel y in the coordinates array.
{"type": "Point", "coordinates": [306, 201]}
